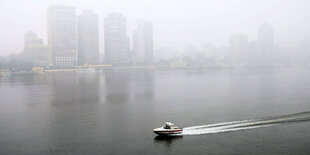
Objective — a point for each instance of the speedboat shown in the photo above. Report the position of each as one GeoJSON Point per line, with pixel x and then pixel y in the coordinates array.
{"type": "Point", "coordinates": [168, 129]}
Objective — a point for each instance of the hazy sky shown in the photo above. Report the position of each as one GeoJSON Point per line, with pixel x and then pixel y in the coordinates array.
{"type": "Point", "coordinates": [177, 23]}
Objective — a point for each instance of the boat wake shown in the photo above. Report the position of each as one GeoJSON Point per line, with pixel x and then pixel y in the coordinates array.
{"type": "Point", "coordinates": [245, 124]}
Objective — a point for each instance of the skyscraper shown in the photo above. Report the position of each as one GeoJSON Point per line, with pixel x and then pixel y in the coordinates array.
{"type": "Point", "coordinates": [265, 35]}
{"type": "Point", "coordinates": [143, 43]}
{"type": "Point", "coordinates": [239, 47]}
{"type": "Point", "coordinates": [31, 41]}
{"type": "Point", "coordinates": [88, 47]}
{"type": "Point", "coordinates": [116, 39]}
{"type": "Point", "coordinates": [34, 50]}
{"type": "Point", "coordinates": [266, 43]}
{"type": "Point", "coordinates": [62, 36]}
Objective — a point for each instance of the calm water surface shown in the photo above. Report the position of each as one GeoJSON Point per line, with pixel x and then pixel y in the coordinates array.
{"type": "Point", "coordinates": [114, 112]}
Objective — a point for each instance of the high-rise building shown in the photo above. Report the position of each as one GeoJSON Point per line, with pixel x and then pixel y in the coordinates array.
{"type": "Point", "coordinates": [88, 36]}
{"type": "Point", "coordinates": [34, 50]}
{"type": "Point", "coordinates": [116, 39]}
{"type": "Point", "coordinates": [265, 35]}
{"type": "Point", "coordinates": [143, 43]}
{"type": "Point", "coordinates": [239, 47]}
{"type": "Point", "coordinates": [62, 36]}
{"type": "Point", "coordinates": [266, 43]}
{"type": "Point", "coordinates": [31, 41]}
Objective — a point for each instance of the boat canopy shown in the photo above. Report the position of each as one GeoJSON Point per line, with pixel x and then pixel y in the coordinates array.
{"type": "Point", "coordinates": [169, 124]}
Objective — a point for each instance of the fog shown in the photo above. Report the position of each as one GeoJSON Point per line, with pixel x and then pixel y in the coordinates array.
{"type": "Point", "coordinates": [154, 77]}
{"type": "Point", "coordinates": [177, 23]}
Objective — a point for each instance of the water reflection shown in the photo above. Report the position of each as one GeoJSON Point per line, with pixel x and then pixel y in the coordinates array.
{"type": "Point", "coordinates": [89, 85]}
{"type": "Point", "coordinates": [65, 113]}
{"type": "Point", "coordinates": [117, 86]}
{"type": "Point", "coordinates": [167, 140]}
{"type": "Point", "coordinates": [63, 88]}
{"type": "Point", "coordinates": [72, 88]}
{"type": "Point", "coordinates": [142, 86]}
{"type": "Point", "coordinates": [258, 87]}
{"type": "Point", "coordinates": [126, 86]}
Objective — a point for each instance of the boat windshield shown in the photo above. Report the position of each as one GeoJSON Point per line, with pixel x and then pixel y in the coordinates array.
{"type": "Point", "coordinates": [167, 127]}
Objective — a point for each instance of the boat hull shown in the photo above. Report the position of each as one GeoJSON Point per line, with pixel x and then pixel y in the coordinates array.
{"type": "Point", "coordinates": [168, 132]}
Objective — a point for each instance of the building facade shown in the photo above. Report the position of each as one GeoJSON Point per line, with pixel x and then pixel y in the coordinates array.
{"type": "Point", "coordinates": [62, 36]}
{"type": "Point", "coordinates": [116, 41]}
{"type": "Point", "coordinates": [88, 38]}
{"type": "Point", "coordinates": [238, 45]}
{"type": "Point", "coordinates": [265, 36]}
{"type": "Point", "coordinates": [34, 50]}
{"type": "Point", "coordinates": [142, 52]}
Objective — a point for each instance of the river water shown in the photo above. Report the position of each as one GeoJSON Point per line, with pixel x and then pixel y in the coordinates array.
{"type": "Point", "coordinates": [238, 111]}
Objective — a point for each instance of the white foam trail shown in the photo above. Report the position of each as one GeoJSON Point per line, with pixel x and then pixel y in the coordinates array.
{"type": "Point", "coordinates": [241, 125]}
{"type": "Point", "coordinates": [210, 131]}
{"type": "Point", "coordinates": [216, 124]}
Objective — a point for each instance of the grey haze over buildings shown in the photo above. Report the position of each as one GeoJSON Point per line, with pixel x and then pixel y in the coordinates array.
{"type": "Point", "coordinates": [62, 36]}
{"type": "Point", "coordinates": [142, 50]}
{"type": "Point", "coordinates": [116, 41]}
{"type": "Point", "coordinates": [177, 23]}
{"type": "Point", "coordinates": [88, 38]}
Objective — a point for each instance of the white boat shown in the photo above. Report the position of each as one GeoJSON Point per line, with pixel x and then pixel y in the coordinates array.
{"type": "Point", "coordinates": [168, 129]}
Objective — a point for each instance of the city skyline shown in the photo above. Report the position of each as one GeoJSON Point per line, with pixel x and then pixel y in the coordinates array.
{"type": "Point", "coordinates": [290, 29]}
{"type": "Point", "coordinates": [117, 42]}
{"type": "Point", "coordinates": [74, 40]}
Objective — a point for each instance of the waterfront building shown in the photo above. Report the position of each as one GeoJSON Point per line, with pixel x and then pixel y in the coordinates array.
{"type": "Point", "coordinates": [34, 50]}
{"type": "Point", "coordinates": [239, 47]}
{"type": "Point", "coordinates": [143, 43]}
{"type": "Point", "coordinates": [265, 36]}
{"type": "Point", "coordinates": [116, 47]}
{"type": "Point", "coordinates": [88, 38]}
{"type": "Point", "coordinates": [62, 36]}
